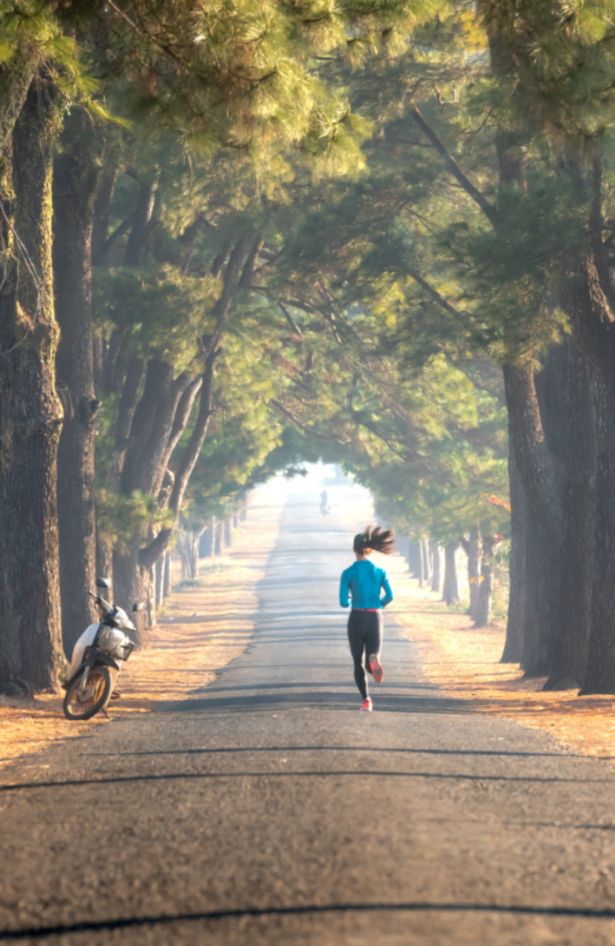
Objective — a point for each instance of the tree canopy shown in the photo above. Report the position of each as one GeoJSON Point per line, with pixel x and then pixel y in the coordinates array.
{"type": "Point", "coordinates": [236, 235]}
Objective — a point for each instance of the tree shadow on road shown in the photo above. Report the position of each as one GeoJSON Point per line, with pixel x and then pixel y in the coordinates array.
{"type": "Point", "coordinates": [528, 910]}
{"type": "Point", "coordinates": [276, 775]}
{"type": "Point", "coordinates": [371, 750]}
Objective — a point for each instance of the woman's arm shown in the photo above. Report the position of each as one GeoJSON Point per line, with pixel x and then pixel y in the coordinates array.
{"type": "Point", "coordinates": [388, 591]}
{"type": "Point", "coordinates": [344, 589]}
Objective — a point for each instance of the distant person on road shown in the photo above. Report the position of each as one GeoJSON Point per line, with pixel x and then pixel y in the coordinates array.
{"type": "Point", "coordinates": [324, 502]}
{"type": "Point", "coordinates": [369, 591]}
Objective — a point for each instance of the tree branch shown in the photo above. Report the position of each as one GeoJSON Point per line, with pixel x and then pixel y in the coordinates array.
{"type": "Point", "coordinates": [488, 209]}
{"type": "Point", "coordinates": [305, 427]}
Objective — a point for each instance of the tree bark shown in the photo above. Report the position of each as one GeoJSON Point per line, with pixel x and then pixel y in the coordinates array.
{"type": "Point", "coordinates": [588, 299]}
{"type": "Point", "coordinates": [517, 598]}
{"type": "Point", "coordinates": [545, 528]}
{"type": "Point", "coordinates": [30, 410]}
{"type": "Point", "coordinates": [75, 180]}
{"type": "Point", "coordinates": [472, 546]}
{"type": "Point", "coordinates": [568, 397]}
{"type": "Point", "coordinates": [450, 592]}
{"type": "Point", "coordinates": [482, 610]}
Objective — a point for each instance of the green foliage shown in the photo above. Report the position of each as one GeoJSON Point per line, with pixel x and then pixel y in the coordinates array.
{"type": "Point", "coordinates": [121, 518]}
{"type": "Point", "coordinates": [166, 311]}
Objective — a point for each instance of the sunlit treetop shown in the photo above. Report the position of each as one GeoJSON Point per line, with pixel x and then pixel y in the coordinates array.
{"type": "Point", "coordinates": [558, 57]}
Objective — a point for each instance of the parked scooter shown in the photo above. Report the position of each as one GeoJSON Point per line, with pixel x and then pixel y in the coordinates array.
{"type": "Point", "coordinates": [97, 658]}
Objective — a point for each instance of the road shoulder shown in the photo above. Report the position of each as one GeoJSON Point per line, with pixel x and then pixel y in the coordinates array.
{"type": "Point", "coordinates": [465, 663]}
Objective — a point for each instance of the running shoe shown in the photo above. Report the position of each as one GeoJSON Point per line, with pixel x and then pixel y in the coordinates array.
{"type": "Point", "coordinates": [366, 705]}
{"type": "Point", "coordinates": [375, 668]}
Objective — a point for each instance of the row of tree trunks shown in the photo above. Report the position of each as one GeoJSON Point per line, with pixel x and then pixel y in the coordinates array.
{"type": "Point", "coordinates": [553, 496]}
{"type": "Point", "coordinates": [216, 536]}
{"type": "Point", "coordinates": [563, 446]}
{"type": "Point", "coordinates": [187, 549]}
{"type": "Point", "coordinates": [150, 462]}
{"type": "Point", "coordinates": [192, 545]}
{"type": "Point", "coordinates": [424, 557]}
{"type": "Point", "coordinates": [480, 554]}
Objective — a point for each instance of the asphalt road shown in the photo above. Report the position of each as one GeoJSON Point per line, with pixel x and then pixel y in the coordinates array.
{"type": "Point", "coordinates": [265, 809]}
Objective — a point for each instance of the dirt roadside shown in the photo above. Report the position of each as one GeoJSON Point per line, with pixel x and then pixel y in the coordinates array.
{"type": "Point", "coordinates": [203, 627]}
{"type": "Point", "coordinates": [465, 663]}
{"type": "Point", "coordinates": [209, 624]}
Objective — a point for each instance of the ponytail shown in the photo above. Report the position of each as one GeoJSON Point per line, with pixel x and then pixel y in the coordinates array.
{"type": "Point", "coordinates": [380, 540]}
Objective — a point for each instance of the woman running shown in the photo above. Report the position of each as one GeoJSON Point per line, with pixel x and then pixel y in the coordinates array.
{"type": "Point", "coordinates": [364, 583]}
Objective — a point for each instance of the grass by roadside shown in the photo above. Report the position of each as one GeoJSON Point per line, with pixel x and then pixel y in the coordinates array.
{"type": "Point", "coordinates": [465, 662]}
{"type": "Point", "coordinates": [182, 653]}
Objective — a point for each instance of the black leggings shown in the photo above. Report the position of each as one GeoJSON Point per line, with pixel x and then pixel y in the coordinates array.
{"type": "Point", "coordinates": [365, 639]}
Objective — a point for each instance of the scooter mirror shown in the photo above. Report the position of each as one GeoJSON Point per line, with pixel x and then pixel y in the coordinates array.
{"type": "Point", "coordinates": [103, 583]}
{"type": "Point", "coordinates": [138, 606]}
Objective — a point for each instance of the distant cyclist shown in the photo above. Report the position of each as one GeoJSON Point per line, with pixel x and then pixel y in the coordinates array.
{"type": "Point", "coordinates": [369, 591]}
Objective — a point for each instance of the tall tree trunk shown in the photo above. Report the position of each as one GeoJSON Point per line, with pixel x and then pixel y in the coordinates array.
{"type": "Point", "coordinates": [159, 581]}
{"type": "Point", "coordinates": [450, 591]}
{"type": "Point", "coordinates": [104, 557]}
{"type": "Point", "coordinates": [472, 546]}
{"type": "Point", "coordinates": [545, 526]}
{"type": "Point", "coordinates": [206, 548]}
{"type": "Point", "coordinates": [599, 667]}
{"type": "Point", "coordinates": [568, 397]}
{"type": "Point", "coordinates": [436, 566]}
{"type": "Point", "coordinates": [425, 569]}
{"type": "Point", "coordinates": [194, 556]}
{"type": "Point", "coordinates": [75, 178]}
{"type": "Point", "coordinates": [30, 410]}
{"type": "Point", "coordinates": [589, 299]}
{"type": "Point", "coordinates": [168, 562]}
{"type": "Point", "coordinates": [414, 558]}
{"type": "Point", "coordinates": [517, 597]}
{"type": "Point", "coordinates": [482, 610]}
{"type": "Point", "coordinates": [130, 581]}
{"type": "Point", "coordinates": [219, 538]}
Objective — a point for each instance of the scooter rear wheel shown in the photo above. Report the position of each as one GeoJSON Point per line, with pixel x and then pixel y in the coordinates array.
{"type": "Point", "coordinates": [83, 704]}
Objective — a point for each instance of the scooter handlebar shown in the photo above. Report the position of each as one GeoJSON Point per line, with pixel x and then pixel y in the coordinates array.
{"type": "Point", "coordinates": [102, 603]}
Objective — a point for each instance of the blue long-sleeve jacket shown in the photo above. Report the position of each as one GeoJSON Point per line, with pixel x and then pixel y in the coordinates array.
{"type": "Point", "coordinates": [363, 583]}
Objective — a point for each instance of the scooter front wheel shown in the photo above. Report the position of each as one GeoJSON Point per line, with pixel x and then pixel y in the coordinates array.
{"type": "Point", "coordinates": [83, 702]}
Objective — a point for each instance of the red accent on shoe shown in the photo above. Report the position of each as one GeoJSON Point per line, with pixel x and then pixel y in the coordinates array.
{"type": "Point", "coordinates": [375, 668]}
{"type": "Point", "coordinates": [366, 705]}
